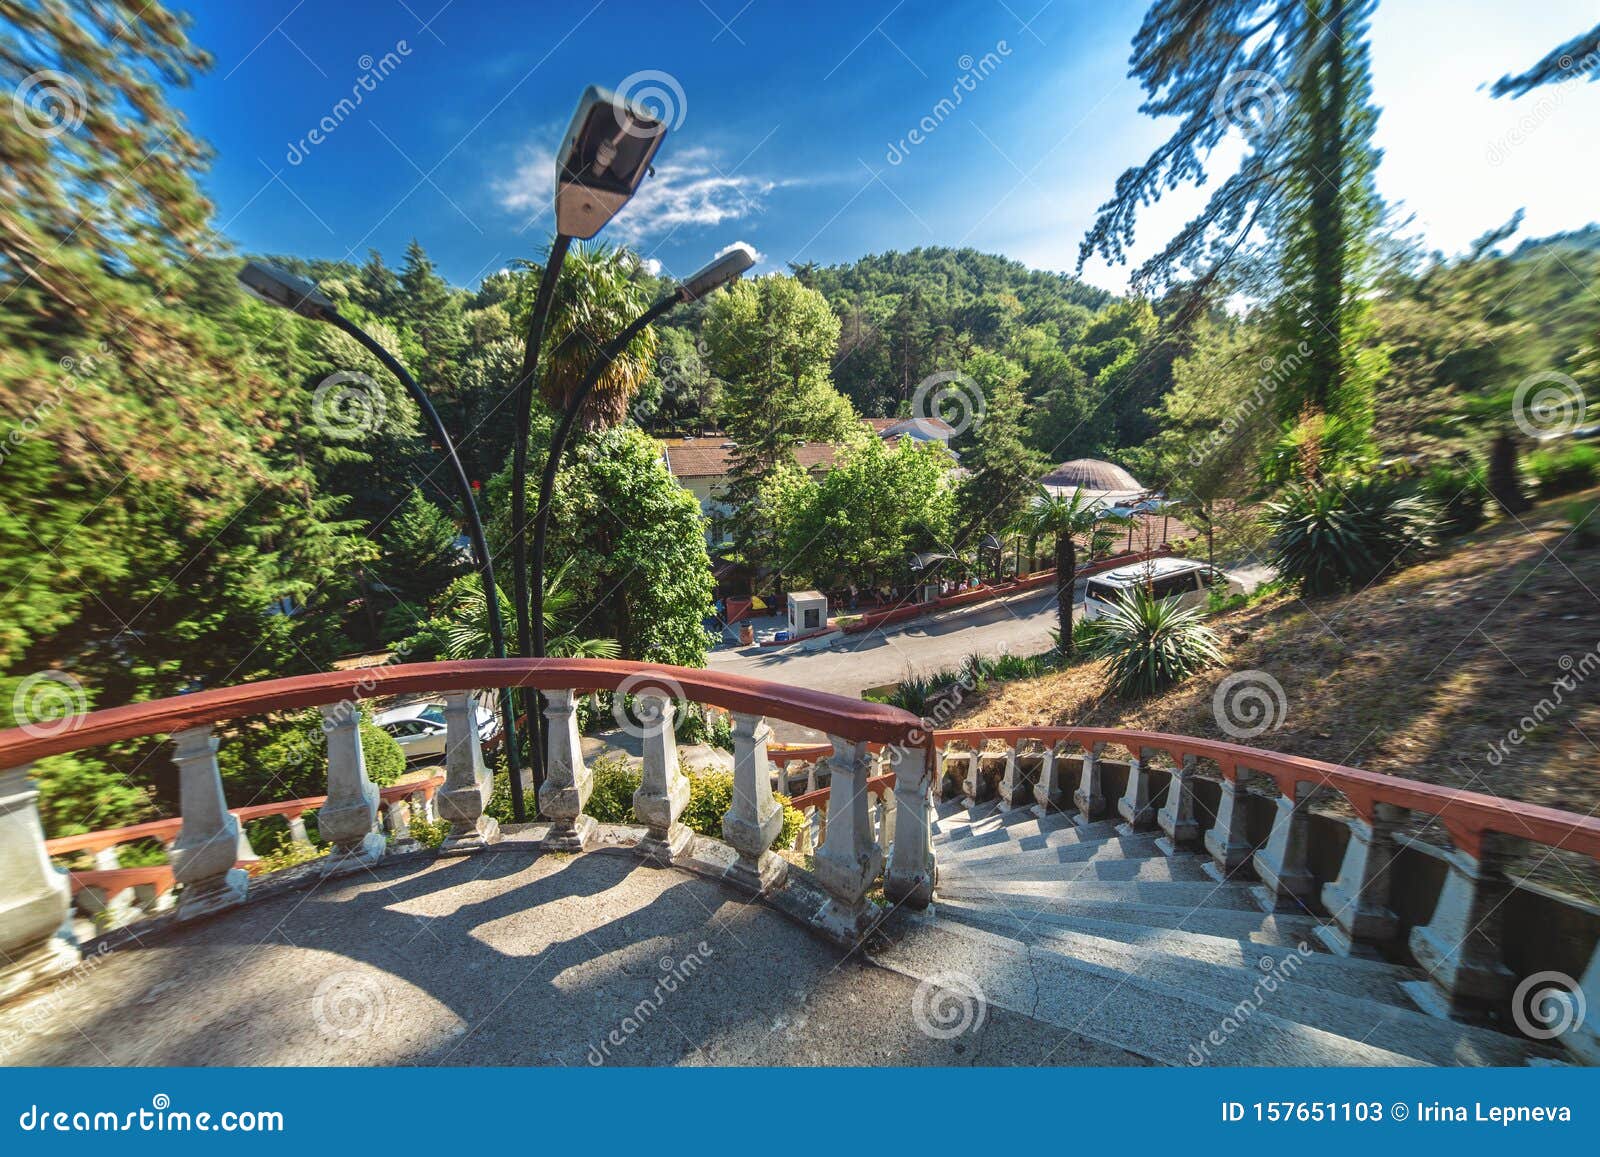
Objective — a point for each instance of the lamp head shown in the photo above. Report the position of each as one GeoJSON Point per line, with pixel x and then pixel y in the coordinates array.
{"type": "Point", "coordinates": [275, 287]}
{"type": "Point", "coordinates": [722, 271]}
{"type": "Point", "coordinates": [605, 155]}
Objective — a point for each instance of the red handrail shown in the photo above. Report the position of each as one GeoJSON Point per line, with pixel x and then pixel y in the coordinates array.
{"type": "Point", "coordinates": [834, 714]}
{"type": "Point", "coordinates": [166, 830]}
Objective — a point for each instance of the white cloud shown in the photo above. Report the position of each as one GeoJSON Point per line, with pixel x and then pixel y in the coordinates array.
{"type": "Point", "coordinates": [754, 252]}
{"type": "Point", "coordinates": [690, 190]}
{"type": "Point", "coordinates": [651, 266]}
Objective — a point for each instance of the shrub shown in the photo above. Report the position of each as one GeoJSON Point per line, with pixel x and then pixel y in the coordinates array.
{"type": "Point", "coordinates": [1584, 518]}
{"type": "Point", "coordinates": [1561, 471]}
{"type": "Point", "coordinates": [1153, 644]}
{"type": "Point", "coordinates": [1334, 536]}
{"type": "Point", "coordinates": [1459, 489]}
{"type": "Point", "coordinates": [428, 833]}
{"type": "Point", "coordinates": [710, 797]}
{"type": "Point", "coordinates": [288, 758]}
{"type": "Point", "coordinates": [614, 785]}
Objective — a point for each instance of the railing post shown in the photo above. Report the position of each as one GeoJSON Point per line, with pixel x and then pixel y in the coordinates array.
{"type": "Point", "coordinates": [1283, 864]}
{"type": "Point", "coordinates": [941, 769]}
{"type": "Point", "coordinates": [1228, 841]}
{"type": "Point", "coordinates": [972, 782]}
{"type": "Point", "coordinates": [117, 909]}
{"type": "Point", "coordinates": [1582, 1037]}
{"type": "Point", "coordinates": [755, 819]}
{"type": "Point", "coordinates": [910, 878]}
{"type": "Point", "coordinates": [1135, 806]}
{"type": "Point", "coordinates": [1176, 818]}
{"type": "Point", "coordinates": [567, 781]}
{"type": "Point", "coordinates": [1090, 796]}
{"type": "Point", "coordinates": [849, 859]}
{"type": "Point", "coordinates": [397, 822]}
{"type": "Point", "coordinates": [1459, 947]}
{"type": "Point", "coordinates": [203, 854]}
{"type": "Point", "coordinates": [1358, 900]}
{"type": "Point", "coordinates": [349, 818]}
{"type": "Point", "coordinates": [663, 788]}
{"type": "Point", "coordinates": [1050, 793]}
{"type": "Point", "coordinates": [468, 782]}
{"type": "Point", "coordinates": [34, 897]}
{"type": "Point", "coordinates": [297, 831]}
{"type": "Point", "coordinates": [1015, 790]}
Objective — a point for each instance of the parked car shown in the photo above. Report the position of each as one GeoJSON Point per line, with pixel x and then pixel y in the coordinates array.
{"type": "Point", "coordinates": [419, 728]}
{"type": "Point", "coordinates": [1187, 580]}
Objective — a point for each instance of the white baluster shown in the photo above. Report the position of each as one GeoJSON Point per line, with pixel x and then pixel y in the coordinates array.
{"type": "Point", "coordinates": [349, 818]}
{"type": "Point", "coordinates": [1015, 790]}
{"type": "Point", "coordinates": [1135, 806]}
{"type": "Point", "coordinates": [567, 781]}
{"type": "Point", "coordinates": [1090, 796]}
{"type": "Point", "coordinates": [203, 854]}
{"type": "Point", "coordinates": [663, 788]}
{"type": "Point", "coordinates": [1358, 900]}
{"type": "Point", "coordinates": [1287, 884]}
{"type": "Point", "coordinates": [1228, 841]}
{"type": "Point", "coordinates": [910, 878]}
{"type": "Point", "coordinates": [849, 860]}
{"type": "Point", "coordinates": [1459, 946]}
{"type": "Point", "coordinates": [1050, 794]}
{"type": "Point", "coordinates": [468, 782]}
{"type": "Point", "coordinates": [755, 819]}
{"type": "Point", "coordinates": [34, 896]}
{"type": "Point", "coordinates": [1176, 818]}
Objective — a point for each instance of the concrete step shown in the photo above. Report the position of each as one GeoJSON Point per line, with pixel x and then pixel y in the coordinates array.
{"type": "Point", "coordinates": [1051, 833]}
{"type": "Point", "coordinates": [1149, 1017]}
{"type": "Point", "coordinates": [1182, 895]}
{"type": "Point", "coordinates": [988, 817]}
{"type": "Point", "coordinates": [1376, 979]}
{"type": "Point", "coordinates": [1285, 931]}
{"type": "Point", "coordinates": [1113, 847]}
{"type": "Point", "coordinates": [1021, 866]}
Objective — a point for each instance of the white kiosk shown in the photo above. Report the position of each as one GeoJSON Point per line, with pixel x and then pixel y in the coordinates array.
{"type": "Point", "coordinates": [808, 611]}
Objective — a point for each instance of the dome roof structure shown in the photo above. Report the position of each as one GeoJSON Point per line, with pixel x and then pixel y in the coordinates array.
{"type": "Point", "coordinates": [1091, 474]}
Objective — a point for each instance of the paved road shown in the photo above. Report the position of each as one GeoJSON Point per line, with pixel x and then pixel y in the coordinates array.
{"type": "Point", "coordinates": [1020, 625]}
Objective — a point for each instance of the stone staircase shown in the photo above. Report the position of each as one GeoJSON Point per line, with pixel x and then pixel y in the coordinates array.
{"type": "Point", "coordinates": [1093, 929]}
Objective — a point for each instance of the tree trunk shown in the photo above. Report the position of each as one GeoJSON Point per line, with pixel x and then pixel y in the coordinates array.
{"type": "Point", "coordinates": [1066, 579]}
{"type": "Point", "coordinates": [1504, 485]}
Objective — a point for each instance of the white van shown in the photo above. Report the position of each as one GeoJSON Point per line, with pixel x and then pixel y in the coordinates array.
{"type": "Point", "coordinates": [1185, 579]}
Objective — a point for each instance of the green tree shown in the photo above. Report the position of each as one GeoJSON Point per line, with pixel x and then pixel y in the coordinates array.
{"type": "Point", "coordinates": [598, 293]}
{"type": "Point", "coordinates": [420, 555]}
{"type": "Point", "coordinates": [1001, 470]}
{"type": "Point", "coordinates": [1066, 518]}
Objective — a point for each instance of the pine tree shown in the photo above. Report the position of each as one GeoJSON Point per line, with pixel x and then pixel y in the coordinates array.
{"type": "Point", "coordinates": [1002, 472]}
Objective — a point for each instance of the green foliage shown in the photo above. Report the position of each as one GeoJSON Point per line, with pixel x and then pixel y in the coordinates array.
{"type": "Point", "coordinates": [1561, 470]}
{"type": "Point", "coordinates": [420, 553]}
{"type": "Point", "coordinates": [1582, 518]}
{"type": "Point", "coordinates": [697, 725]}
{"type": "Point", "coordinates": [614, 785]}
{"type": "Point", "coordinates": [429, 833]}
{"type": "Point", "coordinates": [1336, 536]}
{"type": "Point", "coordinates": [1152, 644]}
{"type": "Point", "coordinates": [288, 759]}
{"type": "Point", "coordinates": [710, 797]}
{"type": "Point", "coordinates": [1459, 491]}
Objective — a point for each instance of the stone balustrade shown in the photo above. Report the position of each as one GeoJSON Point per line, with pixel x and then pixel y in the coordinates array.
{"type": "Point", "coordinates": [1461, 946]}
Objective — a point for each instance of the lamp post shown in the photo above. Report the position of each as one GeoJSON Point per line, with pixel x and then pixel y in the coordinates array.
{"type": "Point", "coordinates": [605, 155]}
{"type": "Point", "coordinates": [722, 271]}
{"type": "Point", "coordinates": [275, 287]}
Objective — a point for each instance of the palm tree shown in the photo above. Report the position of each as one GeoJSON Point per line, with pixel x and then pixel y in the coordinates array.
{"type": "Point", "coordinates": [598, 294]}
{"type": "Point", "coordinates": [468, 637]}
{"type": "Point", "coordinates": [1068, 518]}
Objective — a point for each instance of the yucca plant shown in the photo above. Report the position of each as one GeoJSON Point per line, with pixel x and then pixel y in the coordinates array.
{"type": "Point", "coordinates": [468, 636]}
{"type": "Point", "coordinates": [1152, 643]}
{"type": "Point", "coordinates": [1341, 535]}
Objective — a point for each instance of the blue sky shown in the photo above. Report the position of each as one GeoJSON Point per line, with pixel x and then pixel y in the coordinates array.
{"type": "Point", "coordinates": [792, 124]}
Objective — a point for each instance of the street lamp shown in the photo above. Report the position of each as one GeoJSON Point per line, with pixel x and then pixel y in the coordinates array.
{"type": "Point", "coordinates": [275, 287]}
{"type": "Point", "coordinates": [724, 270]}
{"type": "Point", "coordinates": [604, 156]}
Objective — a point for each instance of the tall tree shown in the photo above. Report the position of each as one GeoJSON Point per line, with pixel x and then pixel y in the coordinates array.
{"type": "Point", "coordinates": [1294, 78]}
{"type": "Point", "coordinates": [1001, 471]}
{"type": "Point", "coordinates": [1067, 519]}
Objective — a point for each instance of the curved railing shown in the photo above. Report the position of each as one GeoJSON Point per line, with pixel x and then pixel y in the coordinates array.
{"type": "Point", "coordinates": [204, 843]}
{"type": "Point", "coordinates": [1460, 946]}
